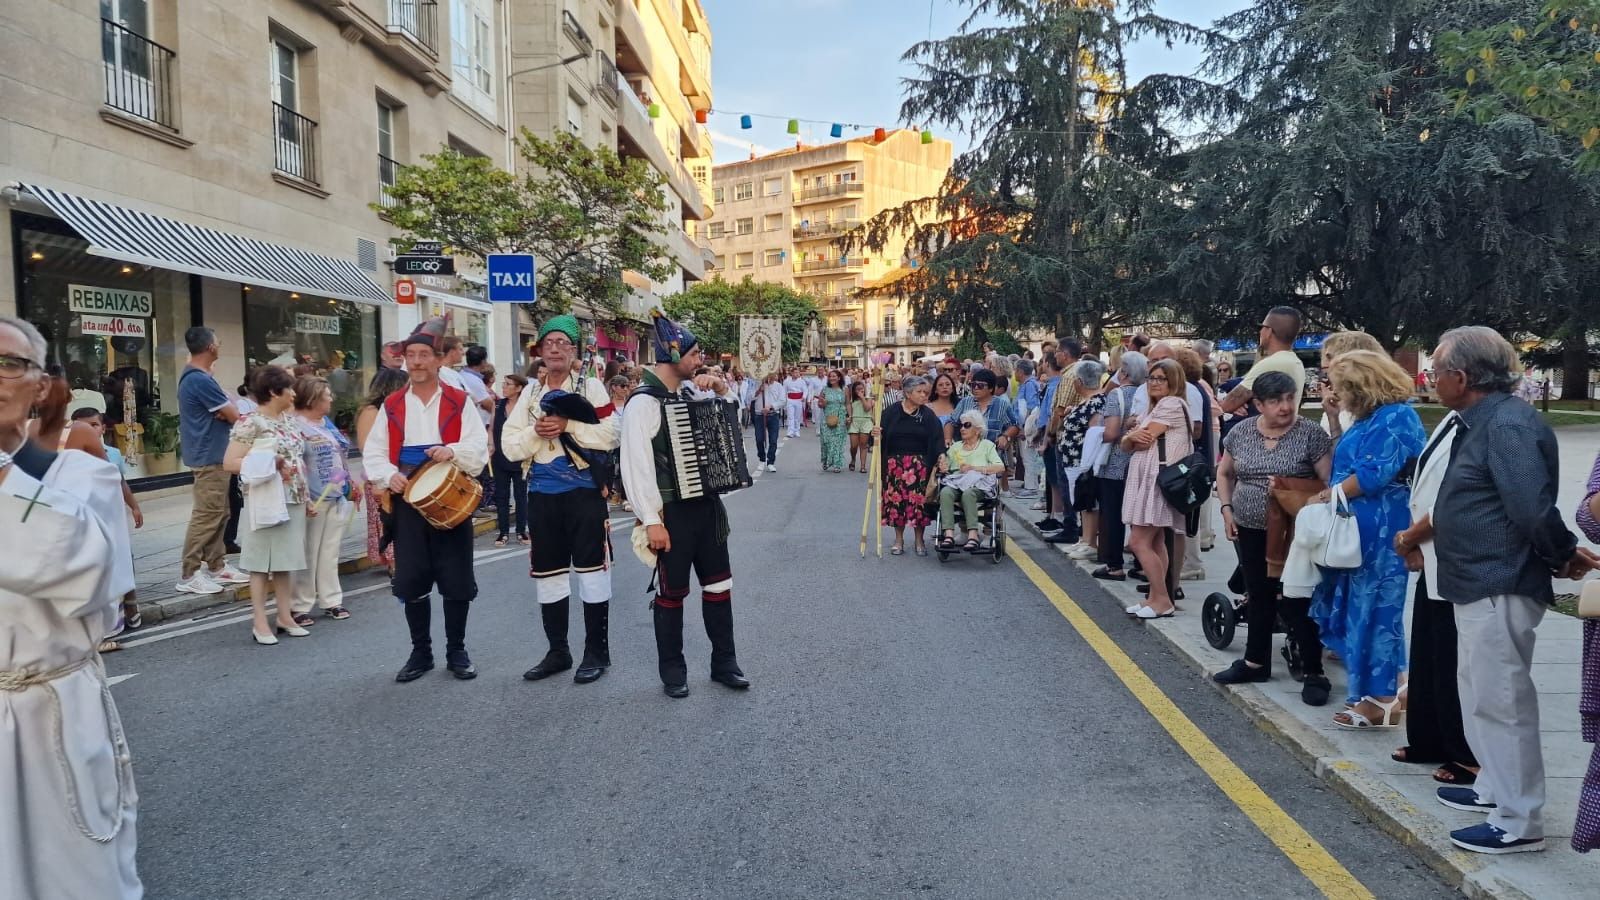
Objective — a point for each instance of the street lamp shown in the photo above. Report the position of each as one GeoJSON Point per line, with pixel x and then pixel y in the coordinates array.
{"type": "Point", "coordinates": [560, 62]}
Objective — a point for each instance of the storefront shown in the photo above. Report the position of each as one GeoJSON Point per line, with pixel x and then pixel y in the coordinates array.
{"type": "Point", "coordinates": [624, 345]}
{"type": "Point", "coordinates": [113, 290]}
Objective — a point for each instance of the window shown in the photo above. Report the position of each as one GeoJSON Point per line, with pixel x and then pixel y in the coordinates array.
{"type": "Point", "coordinates": [743, 260]}
{"type": "Point", "coordinates": [574, 115]}
{"type": "Point", "coordinates": [387, 167]}
{"type": "Point", "coordinates": [745, 226]}
{"type": "Point", "coordinates": [285, 75]}
{"type": "Point", "coordinates": [772, 222]}
{"type": "Point", "coordinates": [716, 229]}
{"type": "Point", "coordinates": [772, 187]}
{"type": "Point", "coordinates": [138, 71]}
{"type": "Point", "coordinates": [846, 213]}
{"type": "Point", "coordinates": [718, 194]}
{"type": "Point", "coordinates": [744, 190]}
{"type": "Point", "coordinates": [843, 177]}
{"type": "Point", "coordinates": [294, 135]}
{"type": "Point", "coordinates": [472, 53]}
{"type": "Point", "coordinates": [772, 258]}
{"type": "Point", "coordinates": [720, 263]}
{"type": "Point", "coordinates": [888, 322]}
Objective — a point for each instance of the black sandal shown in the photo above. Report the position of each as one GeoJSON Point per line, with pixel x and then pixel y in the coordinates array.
{"type": "Point", "coordinates": [971, 545]}
{"type": "Point", "coordinates": [1458, 775]}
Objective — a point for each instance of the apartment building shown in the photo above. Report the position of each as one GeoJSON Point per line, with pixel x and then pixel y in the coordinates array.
{"type": "Point", "coordinates": [635, 76]}
{"type": "Point", "coordinates": [167, 163]}
{"type": "Point", "coordinates": [778, 215]}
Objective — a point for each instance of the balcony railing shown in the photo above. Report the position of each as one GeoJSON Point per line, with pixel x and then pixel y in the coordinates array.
{"type": "Point", "coordinates": [888, 335]}
{"type": "Point", "coordinates": [606, 84]}
{"type": "Point", "coordinates": [294, 143]}
{"type": "Point", "coordinates": [417, 19]}
{"type": "Point", "coordinates": [387, 170]}
{"type": "Point", "coordinates": [812, 230]}
{"type": "Point", "coordinates": [844, 334]}
{"type": "Point", "coordinates": [841, 189]}
{"type": "Point", "coordinates": [139, 75]}
{"type": "Point", "coordinates": [812, 266]}
{"type": "Point", "coordinates": [574, 30]}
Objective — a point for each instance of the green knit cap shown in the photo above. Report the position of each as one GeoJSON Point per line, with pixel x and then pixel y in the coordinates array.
{"type": "Point", "coordinates": [567, 325]}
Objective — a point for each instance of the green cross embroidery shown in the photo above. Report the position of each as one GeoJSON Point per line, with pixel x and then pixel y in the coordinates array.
{"type": "Point", "coordinates": [34, 501]}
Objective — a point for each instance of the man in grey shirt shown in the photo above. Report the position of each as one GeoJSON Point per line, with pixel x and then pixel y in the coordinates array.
{"type": "Point", "coordinates": [1500, 541]}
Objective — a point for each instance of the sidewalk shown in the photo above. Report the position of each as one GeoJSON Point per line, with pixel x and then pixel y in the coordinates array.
{"type": "Point", "coordinates": [1400, 797]}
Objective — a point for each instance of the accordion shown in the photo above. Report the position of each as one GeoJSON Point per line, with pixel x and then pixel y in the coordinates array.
{"type": "Point", "coordinates": [707, 448]}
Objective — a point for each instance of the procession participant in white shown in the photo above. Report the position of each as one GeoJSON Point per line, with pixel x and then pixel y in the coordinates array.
{"type": "Point", "coordinates": [568, 520]}
{"type": "Point", "coordinates": [428, 421]}
{"type": "Point", "coordinates": [796, 388]}
{"type": "Point", "coordinates": [73, 837]}
{"type": "Point", "coordinates": [685, 533]}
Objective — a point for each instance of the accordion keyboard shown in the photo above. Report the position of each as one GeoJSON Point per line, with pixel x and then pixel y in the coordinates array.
{"type": "Point", "coordinates": [707, 448]}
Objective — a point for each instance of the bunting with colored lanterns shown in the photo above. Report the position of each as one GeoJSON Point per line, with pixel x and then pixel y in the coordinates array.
{"type": "Point", "coordinates": [792, 124]}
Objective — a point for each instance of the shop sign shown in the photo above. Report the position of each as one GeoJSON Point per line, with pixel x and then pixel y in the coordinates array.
{"type": "Point", "coordinates": [424, 265]}
{"type": "Point", "coordinates": [306, 323]}
{"type": "Point", "coordinates": [111, 326]}
{"type": "Point", "coordinates": [405, 291]}
{"type": "Point", "coordinates": [83, 298]}
{"type": "Point", "coordinates": [426, 248]}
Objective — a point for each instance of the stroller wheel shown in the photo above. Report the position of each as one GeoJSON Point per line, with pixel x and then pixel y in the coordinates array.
{"type": "Point", "coordinates": [1216, 619]}
{"type": "Point", "coordinates": [1297, 663]}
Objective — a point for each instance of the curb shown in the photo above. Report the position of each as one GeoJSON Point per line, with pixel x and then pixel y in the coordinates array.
{"type": "Point", "coordinates": [179, 605]}
{"type": "Point", "coordinates": [1385, 807]}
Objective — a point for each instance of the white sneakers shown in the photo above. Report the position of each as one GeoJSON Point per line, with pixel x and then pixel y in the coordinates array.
{"type": "Point", "coordinates": [771, 467]}
{"type": "Point", "coordinates": [1082, 551]}
{"type": "Point", "coordinates": [205, 581]}
{"type": "Point", "coordinates": [227, 575]}
{"type": "Point", "coordinates": [1192, 575]}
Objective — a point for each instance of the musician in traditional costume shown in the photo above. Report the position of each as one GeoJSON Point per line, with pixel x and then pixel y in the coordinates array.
{"type": "Point", "coordinates": [428, 423]}
{"type": "Point", "coordinates": [685, 532]}
{"type": "Point", "coordinates": [568, 520]}
{"type": "Point", "coordinates": [64, 574]}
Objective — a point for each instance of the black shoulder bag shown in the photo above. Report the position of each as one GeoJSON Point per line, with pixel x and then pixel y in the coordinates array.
{"type": "Point", "coordinates": [1185, 484]}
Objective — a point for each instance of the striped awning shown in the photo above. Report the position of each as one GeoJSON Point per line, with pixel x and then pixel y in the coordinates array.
{"type": "Point", "coordinates": [137, 237]}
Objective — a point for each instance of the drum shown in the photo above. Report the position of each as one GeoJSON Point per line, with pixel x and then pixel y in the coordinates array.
{"type": "Point", "coordinates": [443, 494]}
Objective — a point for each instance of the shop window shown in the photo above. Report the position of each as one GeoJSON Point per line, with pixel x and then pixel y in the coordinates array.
{"type": "Point", "coordinates": [336, 339]}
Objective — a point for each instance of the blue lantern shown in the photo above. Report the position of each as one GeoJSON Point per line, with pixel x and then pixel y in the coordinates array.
{"type": "Point", "coordinates": [836, 131]}
{"type": "Point", "coordinates": [745, 123]}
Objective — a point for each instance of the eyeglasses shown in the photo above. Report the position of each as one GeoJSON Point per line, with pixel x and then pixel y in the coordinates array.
{"type": "Point", "coordinates": [1158, 378]}
{"type": "Point", "coordinates": [558, 342]}
{"type": "Point", "coordinates": [15, 366]}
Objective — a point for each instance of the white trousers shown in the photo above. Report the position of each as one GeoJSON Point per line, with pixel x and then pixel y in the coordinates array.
{"type": "Point", "coordinates": [1500, 708]}
{"type": "Point", "coordinates": [318, 583]}
{"type": "Point", "coordinates": [1032, 467]}
{"type": "Point", "coordinates": [796, 415]}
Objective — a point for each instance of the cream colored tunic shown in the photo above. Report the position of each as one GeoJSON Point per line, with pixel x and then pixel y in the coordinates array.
{"type": "Point", "coordinates": [67, 819]}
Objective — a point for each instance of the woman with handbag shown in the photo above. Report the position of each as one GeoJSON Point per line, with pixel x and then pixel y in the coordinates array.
{"type": "Point", "coordinates": [912, 439]}
{"type": "Point", "coordinates": [1162, 436]}
{"type": "Point", "coordinates": [1360, 610]}
{"type": "Point", "coordinates": [1274, 445]}
{"type": "Point", "coordinates": [831, 403]}
{"type": "Point", "coordinates": [1082, 383]}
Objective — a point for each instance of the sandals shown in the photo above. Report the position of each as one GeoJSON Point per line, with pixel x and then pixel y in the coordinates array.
{"type": "Point", "coordinates": [922, 551]}
{"type": "Point", "coordinates": [1456, 774]}
{"type": "Point", "coordinates": [108, 646]}
{"type": "Point", "coordinates": [897, 551]}
{"type": "Point", "coordinates": [523, 539]}
{"type": "Point", "coordinates": [1403, 755]}
{"type": "Point", "coordinates": [502, 540]}
{"type": "Point", "coordinates": [1390, 717]}
{"type": "Point", "coordinates": [970, 546]}
{"type": "Point", "coordinates": [337, 612]}
{"type": "Point", "coordinates": [947, 542]}
{"type": "Point", "coordinates": [304, 620]}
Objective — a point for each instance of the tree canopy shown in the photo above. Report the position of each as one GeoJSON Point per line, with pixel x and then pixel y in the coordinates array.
{"type": "Point", "coordinates": [585, 214]}
{"type": "Point", "coordinates": [712, 309]}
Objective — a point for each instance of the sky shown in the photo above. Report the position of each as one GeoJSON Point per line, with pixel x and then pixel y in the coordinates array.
{"type": "Point", "coordinates": [839, 61]}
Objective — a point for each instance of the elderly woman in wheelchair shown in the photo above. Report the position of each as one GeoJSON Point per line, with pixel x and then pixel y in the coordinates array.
{"type": "Point", "coordinates": [969, 472]}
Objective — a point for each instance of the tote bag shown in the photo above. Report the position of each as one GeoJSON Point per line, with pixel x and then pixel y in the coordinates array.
{"type": "Point", "coordinates": [1342, 548]}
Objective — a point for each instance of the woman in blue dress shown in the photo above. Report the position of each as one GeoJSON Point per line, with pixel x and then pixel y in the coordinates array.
{"type": "Point", "coordinates": [1361, 611]}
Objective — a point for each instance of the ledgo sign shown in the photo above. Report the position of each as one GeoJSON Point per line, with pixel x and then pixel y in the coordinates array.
{"type": "Point", "coordinates": [511, 278]}
{"type": "Point", "coordinates": [424, 265]}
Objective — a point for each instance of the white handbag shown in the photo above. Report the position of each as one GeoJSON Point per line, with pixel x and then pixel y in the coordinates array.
{"type": "Point", "coordinates": [1589, 601]}
{"type": "Point", "coordinates": [1342, 548]}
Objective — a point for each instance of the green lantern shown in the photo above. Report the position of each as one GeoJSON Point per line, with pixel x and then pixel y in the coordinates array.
{"type": "Point", "coordinates": [794, 126]}
{"type": "Point", "coordinates": [655, 112]}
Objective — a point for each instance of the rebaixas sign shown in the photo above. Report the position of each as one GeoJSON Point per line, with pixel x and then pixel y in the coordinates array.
{"type": "Point", "coordinates": [83, 298]}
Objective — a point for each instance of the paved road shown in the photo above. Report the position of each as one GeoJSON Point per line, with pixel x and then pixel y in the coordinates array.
{"type": "Point", "coordinates": [914, 730]}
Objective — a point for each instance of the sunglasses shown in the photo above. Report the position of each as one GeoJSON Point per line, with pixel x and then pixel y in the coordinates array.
{"type": "Point", "coordinates": [966, 425]}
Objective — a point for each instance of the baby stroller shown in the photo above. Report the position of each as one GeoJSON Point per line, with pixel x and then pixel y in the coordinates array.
{"type": "Point", "coordinates": [991, 521]}
{"type": "Point", "coordinates": [1221, 616]}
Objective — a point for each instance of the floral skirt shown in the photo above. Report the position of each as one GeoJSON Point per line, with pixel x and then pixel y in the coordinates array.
{"type": "Point", "coordinates": [905, 490]}
{"type": "Point", "coordinates": [379, 550]}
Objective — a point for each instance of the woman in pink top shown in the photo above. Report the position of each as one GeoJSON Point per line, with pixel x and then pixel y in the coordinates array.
{"type": "Point", "coordinates": [1163, 432]}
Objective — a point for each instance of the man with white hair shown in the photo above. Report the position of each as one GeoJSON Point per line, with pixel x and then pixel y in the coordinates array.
{"type": "Point", "coordinates": [1499, 540]}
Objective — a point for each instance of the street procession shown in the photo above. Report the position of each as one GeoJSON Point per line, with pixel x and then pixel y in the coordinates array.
{"type": "Point", "coordinates": [990, 449]}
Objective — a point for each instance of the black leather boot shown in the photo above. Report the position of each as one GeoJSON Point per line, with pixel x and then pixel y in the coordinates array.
{"type": "Point", "coordinates": [419, 617]}
{"type": "Point", "coordinates": [455, 639]}
{"type": "Point", "coordinates": [669, 651]}
{"type": "Point", "coordinates": [719, 629]}
{"type": "Point", "coordinates": [596, 643]}
{"type": "Point", "coordinates": [559, 658]}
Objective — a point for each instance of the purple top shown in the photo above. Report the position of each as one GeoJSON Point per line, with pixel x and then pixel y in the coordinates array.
{"type": "Point", "coordinates": [1586, 520]}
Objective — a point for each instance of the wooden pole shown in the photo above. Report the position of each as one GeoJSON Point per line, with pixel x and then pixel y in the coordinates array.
{"type": "Point", "coordinates": [874, 484]}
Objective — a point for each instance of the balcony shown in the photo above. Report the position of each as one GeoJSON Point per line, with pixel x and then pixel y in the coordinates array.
{"type": "Point", "coordinates": [888, 336]}
{"type": "Point", "coordinates": [638, 138]}
{"type": "Point", "coordinates": [607, 86]}
{"type": "Point", "coordinates": [845, 334]}
{"type": "Point", "coordinates": [833, 264]}
{"type": "Point", "coordinates": [139, 75]}
{"type": "Point", "coordinates": [574, 30]}
{"type": "Point", "coordinates": [294, 144]}
{"type": "Point", "coordinates": [829, 192]}
{"type": "Point", "coordinates": [387, 170]}
{"type": "Point", "coordinates": [416, 20]}
{"type": "Point", "coordinates": [814, 230]}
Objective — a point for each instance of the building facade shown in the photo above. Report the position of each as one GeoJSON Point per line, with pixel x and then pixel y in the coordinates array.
{"type": "Point", "coordinates": [634, 76]}
{"type": "Point", "coordinates": [168, 163]}
{"type": "Point", "coordinates": [778, 216]}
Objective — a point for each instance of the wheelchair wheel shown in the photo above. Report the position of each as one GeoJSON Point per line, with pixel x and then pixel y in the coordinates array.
{"type": "Point", "coordinates": [999, 545]}
{"type": "Point", "coordinates": [1216, 619]}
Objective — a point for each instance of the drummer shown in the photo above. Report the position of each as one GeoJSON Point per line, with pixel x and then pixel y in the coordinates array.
{"type": "Point", "coordinates": [428, 421]}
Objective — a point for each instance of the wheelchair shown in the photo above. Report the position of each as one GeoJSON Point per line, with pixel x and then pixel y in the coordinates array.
{"type": "Point", "coordinates": [991, 521]}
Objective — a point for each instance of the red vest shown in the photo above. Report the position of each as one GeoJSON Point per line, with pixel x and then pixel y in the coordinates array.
{"type": "Point", "coordinates": [451, 404]}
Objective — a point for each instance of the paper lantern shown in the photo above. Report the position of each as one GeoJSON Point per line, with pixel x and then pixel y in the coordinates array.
{"type": "Point", "coordinates": [700, 116]}
{"type": "Point", "coordinates": [880, 135]}
{"type": "Point", "coordinates": [794, 126]}
{"type": "Point", "coordinates": [655, 110]}
{"type": "Point", "coordinates": [744, 122]}
{"type": "Point", "coordinates": [927, 136]}
{"type": "Point", "coordinates": [836, 131]}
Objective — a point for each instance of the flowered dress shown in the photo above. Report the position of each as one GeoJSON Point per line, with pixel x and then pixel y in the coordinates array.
{"type": "Point", "coordinates": [833, 439]}
{"type": "Point", "coordinates": [910, 444]}
{"type": "Point", "coordinates": [1361, 611]}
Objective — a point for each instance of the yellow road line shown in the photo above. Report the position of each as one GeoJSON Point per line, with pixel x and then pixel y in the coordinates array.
{"type": "Point", "coordinates": [1310, 857]}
